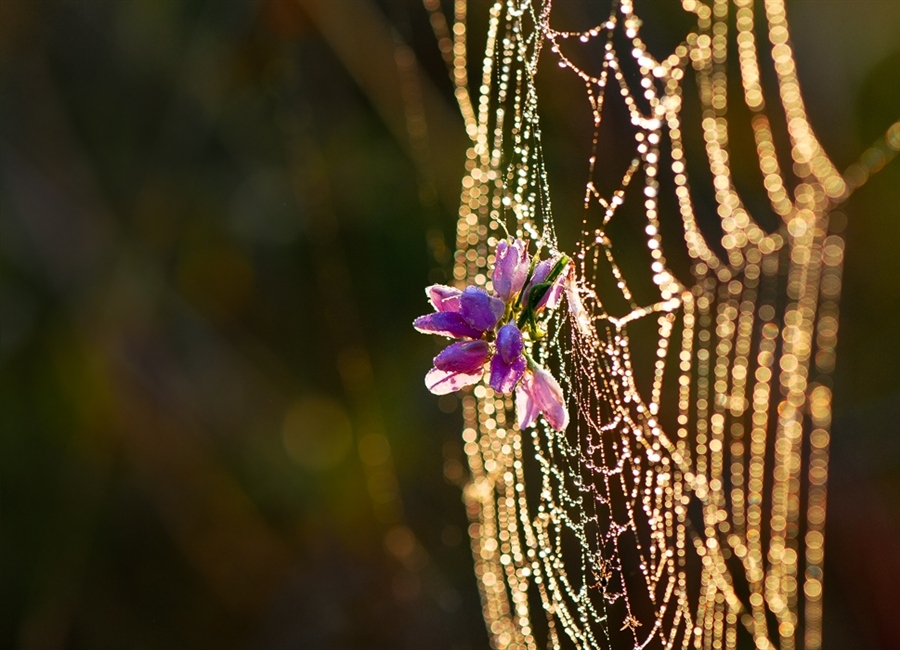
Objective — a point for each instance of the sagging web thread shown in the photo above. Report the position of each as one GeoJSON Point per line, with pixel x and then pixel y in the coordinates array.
{"type": "Point", "coordinates": [688, 513]}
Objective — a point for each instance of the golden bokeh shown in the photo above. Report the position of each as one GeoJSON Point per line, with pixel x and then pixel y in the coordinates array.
{"type": "Point", "coordinates": [317, 432]}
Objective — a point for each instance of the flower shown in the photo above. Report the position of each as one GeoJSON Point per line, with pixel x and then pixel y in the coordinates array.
{"type": "Point", "coordinates": [498, 328]}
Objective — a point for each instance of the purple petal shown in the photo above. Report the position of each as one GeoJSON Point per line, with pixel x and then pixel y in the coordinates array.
{"type": "Point", "coordinates": [526, 408]}
{"type": "Point", "coordinates": [466, 357]}
{"type": "Point", "coordinates": [441, 382]}
{"type": "Point", "coordinates": [555, 292]}
{"type": "Point", "coordinates": [505, 376]}
{"type": "Point", "coordinates": [481, 310]}
{"type": "Point", "coordinates": [443, 298]}
{"type": "Point", "coordinates": [542, 270]}
{"type": "Point", "coordinates": [509, 342]}
{"type": "Point", "coordinates": [447, 323]}
{"type": "Point", "coordinates": [510, 268]}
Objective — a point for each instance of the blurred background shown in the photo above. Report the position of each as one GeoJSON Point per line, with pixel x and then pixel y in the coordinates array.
{"type": "Point", "coordinates": [216, 223]}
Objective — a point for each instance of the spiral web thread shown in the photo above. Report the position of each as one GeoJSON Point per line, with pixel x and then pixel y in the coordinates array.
{"type": "Point", "coordinates": [688, 513]}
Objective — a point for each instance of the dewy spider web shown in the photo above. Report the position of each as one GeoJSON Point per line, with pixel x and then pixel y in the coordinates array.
{"type": "Point", "coordinates": [688, 513]}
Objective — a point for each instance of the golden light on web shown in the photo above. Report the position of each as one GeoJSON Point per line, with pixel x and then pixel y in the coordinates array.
{"type": "Point", "coordinates": [744, 347]}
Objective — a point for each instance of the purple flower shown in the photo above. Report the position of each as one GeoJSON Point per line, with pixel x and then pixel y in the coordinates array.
{"type": "Point", "coordinates": [487, 329]}
{"type": "Point", "coordinates": [510, 269]}
{"type": "Point", "coordinates": [539, 393]}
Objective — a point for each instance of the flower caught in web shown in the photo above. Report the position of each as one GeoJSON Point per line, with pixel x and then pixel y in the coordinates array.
{"type": "Point", "coordinates": [496, 331]}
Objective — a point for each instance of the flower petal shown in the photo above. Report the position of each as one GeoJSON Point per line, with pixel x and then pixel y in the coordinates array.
{"type": "Point", "coordinates": [510, 268]}
{"type": "Point", "coordinates": [481, 310]}
{"type": "Point", "coordinates": [542, 270]}
{"type": "Point", "coordinates": [526, 408]}
{"type": "Point", "coordinates": [555, 292]}
{"type": "Point", "coordinates": [441, 382]}
{"type": "Point", "coordinates": [465, 356]}
{"type": "Point", "coordinates": [509, 342]}
{"type": "Point", "coordinates": [505, 376]}
{"type": "Point", "coordinates": [540, 393]}
{"type": "Point", "coordinates": [447, 323]}
{"type": "Point", "coordinates": [548, 395]}
{"type": "Point", "coordinates": [443, 298]}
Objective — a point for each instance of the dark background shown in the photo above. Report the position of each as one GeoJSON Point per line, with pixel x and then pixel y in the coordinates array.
{"type": "Point", "coordinates": [217, 221]}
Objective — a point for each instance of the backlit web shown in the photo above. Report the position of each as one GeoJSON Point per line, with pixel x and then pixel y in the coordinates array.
{"type": "Point", "coordinates": [684, 506]}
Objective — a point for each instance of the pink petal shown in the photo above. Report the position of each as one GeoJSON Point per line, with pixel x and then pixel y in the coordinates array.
{"type": "Point", "coordinates": [441, 382]}
{"type": "Point", "coordinates": [443, 298]}
{"type": "Point", "coordinates": [550, 399]}
{"type": "Point", "coordinates": [540, 393]}
{"type": "Point", "coordinates": [526, 408]}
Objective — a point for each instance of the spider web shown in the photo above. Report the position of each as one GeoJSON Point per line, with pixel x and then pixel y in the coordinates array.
{"type": "Point", "coordinates": [684, 507]}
